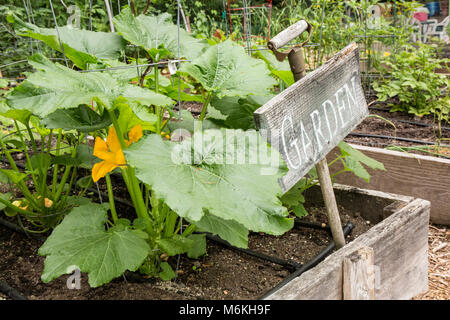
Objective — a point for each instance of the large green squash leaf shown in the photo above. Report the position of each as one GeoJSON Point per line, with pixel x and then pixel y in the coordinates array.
{"type": "Point", "coordinates": [82, 118]}
{"type": "Point", "coordinates": [175, 245]}
{"type": "Point", "coordinates": [239, 111]}
{"type": "Point", "coordinates": [226, 70]}
{"type": "Point", "coordinates": [57, 87]}
{"type": "Point", "coordinates": [157, 35]}
{"type": "Point", "coordinates": [6, 197]}
{"type": "Point", "coordinates": [233, 232]}
{"type": "Point", "coordinates": [246, 194]}
{"type": "Point", "coordinates": [118, 70]}
{"type": "Point", "coordinates": [81, 241]}
{"type": "Point", "coordinates": [133, 114]}
{"type": "Point", "coordinates": [348, 151]}
{"type": "Point", "coordinates": [279, 69]}
{"type": "Point", "coordinates": [185, 120]}
{"type": "Point", "coordinates": [354, 159]}
{"type": "Point", "coordinates": [81, 46]}
{"type": "Point", "coordinates": [4, 83]}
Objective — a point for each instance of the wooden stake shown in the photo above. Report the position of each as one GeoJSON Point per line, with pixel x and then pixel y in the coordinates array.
{"type": "Point", "coordinates": [359, 275]}
{"type": "Point", "coordinates": [188, 24]}
{"type": "Point", "coordinates": [330, 203]}
{"type": "Point", "coordinates": [108, 9]}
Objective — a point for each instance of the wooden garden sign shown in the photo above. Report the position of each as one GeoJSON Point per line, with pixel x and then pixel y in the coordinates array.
{"type": "Point", "coordinates": [307, 120]}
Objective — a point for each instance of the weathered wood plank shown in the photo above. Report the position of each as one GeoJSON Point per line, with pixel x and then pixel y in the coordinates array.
{"type": "Point", "coordinates": [359, 275]}
{"type": "Point", "coordinates": [414, 175]}
{"type": "Point", "coordinates": [308, 119]}
{"type": "Point", "coordinates": [400, 245]}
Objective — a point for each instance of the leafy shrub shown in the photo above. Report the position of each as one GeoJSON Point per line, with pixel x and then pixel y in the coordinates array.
{"type": "Point", "coordinates": [414, 82]}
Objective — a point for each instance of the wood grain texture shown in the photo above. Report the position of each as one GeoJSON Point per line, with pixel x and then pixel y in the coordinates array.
{"type": "Point", "coordinates": [288, 34]}
{"type": "Point", "coordinates": [308, 119]}
{"type": "Point", "coordinates": [400, 245]}
{"type": "Point", "coordinates": [413, 175]}
{"type": "Point", "coordinates": [359, 275]}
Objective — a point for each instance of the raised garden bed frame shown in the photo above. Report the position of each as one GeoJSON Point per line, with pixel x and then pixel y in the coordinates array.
{"type": "Point", "coordinates": [399, 242]}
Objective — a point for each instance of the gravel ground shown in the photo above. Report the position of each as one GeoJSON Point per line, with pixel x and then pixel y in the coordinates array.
{"type": "Point", "coordinates": [439, 264]}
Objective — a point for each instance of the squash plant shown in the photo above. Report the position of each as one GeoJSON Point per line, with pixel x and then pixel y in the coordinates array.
{"type": "Point", "coordinates": [166, 180]}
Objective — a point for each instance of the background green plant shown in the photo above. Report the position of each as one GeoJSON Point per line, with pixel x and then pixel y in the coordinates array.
{"type": "Point", "coordinates": [414, 82]}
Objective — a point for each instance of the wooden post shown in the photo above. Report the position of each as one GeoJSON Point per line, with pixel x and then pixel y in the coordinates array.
{"type": "Point", "coordinates": [188, 24]}
{"type": "Point", "coordinates": [359, 275]}
{"type": "Point", "coordinates": [330, 203]}
{"type": "Point", "coordinates": [108, 9]}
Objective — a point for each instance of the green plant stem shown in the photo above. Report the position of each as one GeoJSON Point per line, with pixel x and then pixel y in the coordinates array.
{"type": "Point", "coordinates": [26, 153]}
{"type": "Point", "coordinates": [157, 108]}
{"type": "Point", "coordinates": [189, 230]}
{"type": "Point", "coordinates": [33, 141]}
{"type": "Point", "coordinates": [337, 159]}
{"type": "Point", "coordinates": [62, 183]}
{"type": "Point", "coordinates": [205, 106]}
{"type": "Point", "coordinates": [112, 206]}
{"type": "Point", "coordinates": [49, 142]}
{"type": "Point", "coordinates": [64, 178]}
{"type": "Point", "coordinates": [146, 195]}
{"type": "Point", "coordinates": [55, 169]}
{"type": "Point", "coordinates": [20, 184]}
{"type": "Point", "coordinates": [82, 192]}
{"type": "Point", "coordinates": [72, 179]}
{"type": "Point", "coordinates": [338, 173]}
{"type": "Point", "coordinates": [43, 185]}
{"type": "Point", "coordinates": [169, 223]}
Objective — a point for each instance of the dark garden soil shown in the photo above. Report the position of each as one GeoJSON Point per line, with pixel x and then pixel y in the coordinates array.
{"type": "Point", "coordinates": [223, 273]}
{"type": "Point", "coordinates": [424, 129]}
{"type": "Point", "coordinates": [425, 132]}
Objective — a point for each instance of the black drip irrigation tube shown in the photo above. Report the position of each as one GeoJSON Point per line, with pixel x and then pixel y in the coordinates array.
{"type": "Point", "coordinates": [368, 135]}
{"type": "Point", "coordinates": [11, 292]}
{"type": "Point", "coordinates": [420, 124]}
{"type": "Point", "coordinates": [289, 264]}
{"type": "Point", "coordinates": [295, 268]}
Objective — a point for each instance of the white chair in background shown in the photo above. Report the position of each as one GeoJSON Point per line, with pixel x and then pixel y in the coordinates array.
{"type": "Point", "coordinates": [427, 28]}
{"type": "Point", "coordinates": [438, 30]}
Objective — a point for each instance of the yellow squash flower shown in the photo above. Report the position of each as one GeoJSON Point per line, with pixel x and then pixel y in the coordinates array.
{"type": "Point", "coordinates": [17, 203]}
{"type": "Point", "coordinates": [48, 203]}
{"type": "Point", "coordinates": [111, 152]}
